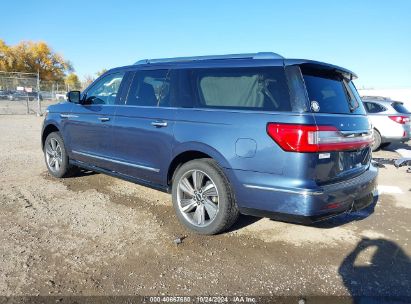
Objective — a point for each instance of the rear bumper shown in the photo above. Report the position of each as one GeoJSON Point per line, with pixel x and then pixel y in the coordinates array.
{"type": "Point", "coordinates": [356, 205]}
{"type": "Point", "coordinates": [302, 204]}
{"type": "Point", "coordinates": [396, 133]}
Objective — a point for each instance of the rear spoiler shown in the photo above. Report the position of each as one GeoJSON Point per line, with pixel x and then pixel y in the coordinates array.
{"type": "Point", "coordinates": [349, 75]}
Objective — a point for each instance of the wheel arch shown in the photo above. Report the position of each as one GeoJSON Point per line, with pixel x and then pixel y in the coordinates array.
{"type": "Point", "coordinates": [50, 128]}
{"type": "Point", "coordinates": [193, 151]}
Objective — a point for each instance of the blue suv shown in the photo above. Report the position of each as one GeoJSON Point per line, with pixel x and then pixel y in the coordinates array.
{"type": "Point", "coordinates": [255, 134]}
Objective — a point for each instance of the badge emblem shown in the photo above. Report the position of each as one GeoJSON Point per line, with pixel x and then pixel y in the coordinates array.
{"type": "Point", "coordinates": [315, 106]}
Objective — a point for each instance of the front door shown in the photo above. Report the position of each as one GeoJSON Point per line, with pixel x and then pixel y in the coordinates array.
{"type": "Point", "coordinates": [89, 127]}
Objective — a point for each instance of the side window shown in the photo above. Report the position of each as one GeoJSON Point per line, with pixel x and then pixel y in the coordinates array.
{"type": "Point", "coordinates": [374, 107]}
{"type": "Point", "coordinates": [150, 89]}
{"type": "Point", "coordinates": [105, 90]}
{"type": "Point", "coordinates": [261, 88]}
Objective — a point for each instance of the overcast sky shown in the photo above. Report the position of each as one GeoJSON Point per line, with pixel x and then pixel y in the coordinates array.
{"type": "Point", "coordinates": [372, 38]}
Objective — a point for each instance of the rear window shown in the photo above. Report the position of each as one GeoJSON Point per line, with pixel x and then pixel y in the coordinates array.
{"type": "Point", "coordinates": [399, 107]}
{"type": "Point", "coordinates": [262, 88]}
{"type": "Point", "coordinates": [333, 94]}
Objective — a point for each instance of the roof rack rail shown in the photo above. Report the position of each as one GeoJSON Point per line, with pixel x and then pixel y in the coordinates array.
{"type": "Point", "coordinates": [381, 98]}
{"type": "Point", "coordinates": [260, 55]}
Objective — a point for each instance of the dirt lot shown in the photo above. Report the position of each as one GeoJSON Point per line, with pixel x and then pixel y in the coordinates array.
{"type": "Point", "coordinates": [97, 235]}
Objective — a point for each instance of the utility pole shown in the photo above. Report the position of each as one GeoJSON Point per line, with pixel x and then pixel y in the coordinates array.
{"type": "Point", "coordinates": [38, 94]}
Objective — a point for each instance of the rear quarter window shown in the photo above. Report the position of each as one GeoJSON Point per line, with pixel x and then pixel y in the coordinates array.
{"type": "Point", "coordinates": [372, 107]}
{"type": "Point", "coordinates": [261, 88]}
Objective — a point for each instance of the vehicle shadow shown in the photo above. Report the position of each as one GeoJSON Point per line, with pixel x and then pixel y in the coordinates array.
{"type": "Point", "coordinates": [377, 271]}
{"type": "Point", "coordinates": [82, 173]}
{"type": "Point", "coordinates": [243, 221]}
{"type": "Point", "coordinates": [398, 146]}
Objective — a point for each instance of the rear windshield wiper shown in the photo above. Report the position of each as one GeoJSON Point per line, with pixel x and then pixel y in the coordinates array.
{"type": "Point", "coordinates": [351, 103]}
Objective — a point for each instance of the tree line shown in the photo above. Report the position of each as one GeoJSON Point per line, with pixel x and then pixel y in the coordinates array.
{"type": "Point", "coordinates": [33, 57]}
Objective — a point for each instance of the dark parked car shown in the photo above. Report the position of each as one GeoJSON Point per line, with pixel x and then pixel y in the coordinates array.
{"type": "Point", "coordinates": [22, 95]}
{"type": "Point", "coordinates": [4, 94]}
{"type": "Point", "coordinates": [255, 134]}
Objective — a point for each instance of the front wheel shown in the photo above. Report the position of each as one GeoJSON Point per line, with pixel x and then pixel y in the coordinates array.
{"type": "Point", "coordinates": [202, 197]}
{"type": "Point", "coordinates": [56, 156]}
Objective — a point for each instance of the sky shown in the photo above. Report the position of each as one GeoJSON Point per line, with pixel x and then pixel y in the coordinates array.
{"type": "Point", "coordinates": [370, 37]}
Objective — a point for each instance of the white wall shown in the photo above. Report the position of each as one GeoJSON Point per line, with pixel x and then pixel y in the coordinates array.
{"type": "Point", "coordinates": [403, 95]}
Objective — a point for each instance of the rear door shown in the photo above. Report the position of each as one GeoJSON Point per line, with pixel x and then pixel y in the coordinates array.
{"type": "Point", "coordinates": [89, 126]}
{"type": "Point", "coordinates": [143, 128]}
{"type": "Point", "coordinates": [335, 103]}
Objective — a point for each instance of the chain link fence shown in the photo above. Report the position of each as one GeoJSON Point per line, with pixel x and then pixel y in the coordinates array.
{"type": "Point", "coordinates": [26, 93]}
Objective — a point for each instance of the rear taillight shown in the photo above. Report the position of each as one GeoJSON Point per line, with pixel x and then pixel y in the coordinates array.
{"type": "Point", "coordinates": [311, 138]}
{"type": "Point", "coordinates": [400, 119]}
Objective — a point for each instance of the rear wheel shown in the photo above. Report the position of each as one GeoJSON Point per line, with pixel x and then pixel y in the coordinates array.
{"type": "Point", "coordinates": [56, 156]}
{"type": "Point", "coordinates": [202, 197]}
{"type": "Point", "coordinates": [377, 140]}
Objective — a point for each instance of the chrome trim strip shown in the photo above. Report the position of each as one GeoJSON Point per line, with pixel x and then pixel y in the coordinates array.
{"type": "Point", "coordinates": [297, 191]}
{"type": "Point", "coordinates": [356, 132]}
{"type": "Point", "coordinates": [117, 161]}
{"type": "Point", "coordinates": [122, 105]}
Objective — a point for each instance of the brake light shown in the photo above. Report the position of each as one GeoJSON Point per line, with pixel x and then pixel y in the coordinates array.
{"type": "Point", "coordinates": [400, 119]}
{"type": "Point", "coordinates": [312, 138]}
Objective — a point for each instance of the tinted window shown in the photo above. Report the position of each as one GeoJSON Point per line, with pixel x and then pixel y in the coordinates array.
{"type": "Point", "coordinates": [104, 91]}
{"type": "Point", "coordinates": [241, 88]}
{"type": "Point", "coordinates": [372, 107]}
{"type": "Point", "coordinates": [149, 88]}
{"type": "Point", "coordinates": [399, 107]}
{"type": "Point", "coordinates": [333, 94]}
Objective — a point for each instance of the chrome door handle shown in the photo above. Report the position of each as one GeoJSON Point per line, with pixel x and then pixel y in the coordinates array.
{"type": "Point", "coordinates": [159, 124]}
{"type": "Point", "coordinates": [68, 116]}
{"type": "Point", "coordinates": [103, 119]}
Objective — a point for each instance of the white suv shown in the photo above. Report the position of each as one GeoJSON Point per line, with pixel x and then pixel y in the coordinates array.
{"type": "Point", "coordinates": [390, 119]}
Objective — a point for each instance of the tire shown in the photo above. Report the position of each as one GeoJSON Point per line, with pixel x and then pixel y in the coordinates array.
{"type": "Point", "coordinates": [384, 145]}
{"type": "Point", "coordinates": [210, 206]}
{"type": "Point", "coordinates": [377, 141]}
{"type": "Point", "coordinates": [54, 149]}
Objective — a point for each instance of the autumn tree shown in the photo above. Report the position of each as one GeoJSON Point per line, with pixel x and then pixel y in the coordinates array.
{"type": "Point", "coordinates": [87, 80]}
{"type": "Point", "coordinates": [30, 57]}
{"type": "Point", "coordinates": [99, 73]}
{"type": "Point", "coordinates": [72, 82]}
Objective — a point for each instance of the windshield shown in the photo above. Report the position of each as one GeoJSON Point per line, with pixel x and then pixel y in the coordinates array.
{"type": "Point", "coordinates": [333, 94]}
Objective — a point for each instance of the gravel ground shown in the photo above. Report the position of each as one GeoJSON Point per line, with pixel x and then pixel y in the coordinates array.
{"type": "Point", "coordinates": [97, 235]}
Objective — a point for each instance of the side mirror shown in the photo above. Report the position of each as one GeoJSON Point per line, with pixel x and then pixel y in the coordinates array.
{"type": "Point", "coordinates": [73, 96]}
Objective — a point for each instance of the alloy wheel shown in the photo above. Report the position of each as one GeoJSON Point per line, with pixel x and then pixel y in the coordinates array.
{"type": "Point", "coordinates": [54, 155]}
{"type": "Point", "coordinates": [197, 198]}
